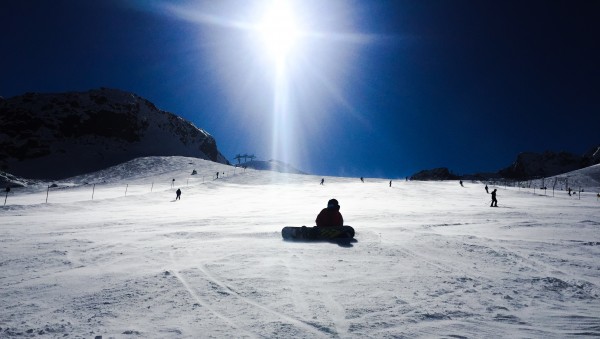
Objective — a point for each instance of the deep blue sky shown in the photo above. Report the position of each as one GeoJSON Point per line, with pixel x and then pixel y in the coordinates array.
{"type": "Point", "coordinates": [460, 84]}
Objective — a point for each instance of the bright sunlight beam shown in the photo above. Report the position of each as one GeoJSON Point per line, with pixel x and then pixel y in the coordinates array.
{"type": "Point", "coordinates": [279, 29]}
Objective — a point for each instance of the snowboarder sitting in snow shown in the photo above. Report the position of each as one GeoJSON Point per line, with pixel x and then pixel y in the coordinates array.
{"type": "Point", "coordinates": [494, 201]}
{"type": "Point", "coordinates": [331, 215]}
{"type": "Point", "coordinates": [178, 192]}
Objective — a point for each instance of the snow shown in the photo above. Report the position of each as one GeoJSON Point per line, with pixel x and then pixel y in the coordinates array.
{"type": "Point", "coordinates": [431, 259]}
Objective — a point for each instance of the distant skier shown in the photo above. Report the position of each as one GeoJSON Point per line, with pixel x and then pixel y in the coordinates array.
{"type": "Point", "coordinates": [362, 179]}
{"type": "Point", "coordinates": [322, 181]}
{"type": "Point", "coordinates": [330, 216]}
{"type": "Point", "coordinates": [461, 183]}
{"type": "Point", "coordinates": [6, 197]}
{"type": "Point", "coordinates": [494, 200]}
{"type": "Point", "coordinates": [390, 183]}
{"type": "Point", "coordinates": [217, 175]}
{"type": "Point", "coordinates": [178, 192]}
{"type": "Point", "coordinates": [486, 190]}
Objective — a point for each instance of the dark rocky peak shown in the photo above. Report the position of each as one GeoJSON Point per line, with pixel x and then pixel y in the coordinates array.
{"type": "Point", "coordinates": [64, 134]}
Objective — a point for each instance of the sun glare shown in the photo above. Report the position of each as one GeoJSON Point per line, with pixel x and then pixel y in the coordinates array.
{"type": "Point", "coordinates": [302, 53]}
{"type": "Point", "coordinates": [279, 29]}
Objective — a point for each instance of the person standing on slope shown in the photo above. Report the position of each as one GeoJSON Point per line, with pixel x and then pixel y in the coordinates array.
{"type": "Point", "coordinates": [178, 192]}
{"type": "Point", "coordinates": [330, 216]}
{"type": "Point", "coordinates": [494, 201]}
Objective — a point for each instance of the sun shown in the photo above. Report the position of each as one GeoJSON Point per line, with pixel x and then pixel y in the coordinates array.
{"type": "Point", "coordinates": [279, 29]}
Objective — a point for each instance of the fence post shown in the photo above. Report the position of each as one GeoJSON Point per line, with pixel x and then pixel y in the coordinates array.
{"type": "Point", "coordinates": [152, 187]}
{"type": "Point", "coordinates": [93, 190]}
{"type": "Point", "coordinates": [126, 187]}
{"type": "Point", "coordinates": [47, 192]}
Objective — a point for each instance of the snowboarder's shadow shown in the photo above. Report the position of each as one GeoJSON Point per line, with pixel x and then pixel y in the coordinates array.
{"type": "Point", "coordinates": [342, 242]}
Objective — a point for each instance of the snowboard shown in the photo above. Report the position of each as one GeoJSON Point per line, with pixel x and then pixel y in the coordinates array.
{"type": "Point", "coordinates": [317, 233]}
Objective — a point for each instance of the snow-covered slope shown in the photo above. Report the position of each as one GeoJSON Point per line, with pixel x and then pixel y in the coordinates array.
{"type": "Point", "coordinates": [53, 136]}
{"type": "Point", "coordinates": [587, 179]}
{"type": "Point", "coordinates": [271, 165]}
{"type": "Point", "coordinates": [431, 259]}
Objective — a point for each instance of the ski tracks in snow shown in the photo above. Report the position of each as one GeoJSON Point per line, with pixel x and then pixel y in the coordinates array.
{"type": "Point", "coordinates": [233, 320]}
{"type": "Point", "coordinates": [299, 289]}
{"type": "Point", "coordinates": [201, 301]}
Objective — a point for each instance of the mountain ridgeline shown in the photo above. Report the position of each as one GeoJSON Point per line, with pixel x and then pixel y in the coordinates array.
{"type": "Point", "coordinates": [53, 136]}
{"type": "Point", "coordinates": [528, 165]}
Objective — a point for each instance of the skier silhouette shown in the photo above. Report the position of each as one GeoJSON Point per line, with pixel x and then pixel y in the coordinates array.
{"type": "Point", "coordinates": [486, 190]}
{"type": "Point", "coordinates": [178, 192]}
{"type": "Point", "coordinates": [494, 200]}
{"type": "Point", "coordinates": [322, 181]}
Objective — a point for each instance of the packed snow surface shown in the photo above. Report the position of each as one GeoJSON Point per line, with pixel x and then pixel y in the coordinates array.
{"type": "Point", "coordinates": [430, 259]}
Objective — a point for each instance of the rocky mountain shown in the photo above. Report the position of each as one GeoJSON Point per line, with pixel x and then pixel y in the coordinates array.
{"type": "Point", "coordinates": [441, 173]}
{"type": "Point", "coordinates": [52, 136]}
{"type": "Point", "coordinates": [529, 165]}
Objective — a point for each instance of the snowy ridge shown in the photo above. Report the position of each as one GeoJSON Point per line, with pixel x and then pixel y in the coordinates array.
{"type": "Point", "coordinates": [587, 179]}
{"type": "Point", "coordinates": [431, 259]}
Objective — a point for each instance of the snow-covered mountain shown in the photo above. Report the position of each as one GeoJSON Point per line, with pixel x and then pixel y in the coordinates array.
{"type": "Point", "coordinates": [55, 136]}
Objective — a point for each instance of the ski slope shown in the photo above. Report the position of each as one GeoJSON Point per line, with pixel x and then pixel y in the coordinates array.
{"type": "Point", "coordinates": [431, 259]}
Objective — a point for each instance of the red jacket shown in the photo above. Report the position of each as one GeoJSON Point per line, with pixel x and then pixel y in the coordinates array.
{"type": "Point", "coordinates": [329, 217]}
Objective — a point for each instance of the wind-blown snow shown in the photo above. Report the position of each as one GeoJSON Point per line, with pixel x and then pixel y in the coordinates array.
{"type": "Point", "coordinates": [431, 259]}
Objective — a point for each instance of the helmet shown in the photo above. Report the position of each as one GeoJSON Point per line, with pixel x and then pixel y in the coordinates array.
{"type": "Point", "coordinates": [333, 203]}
